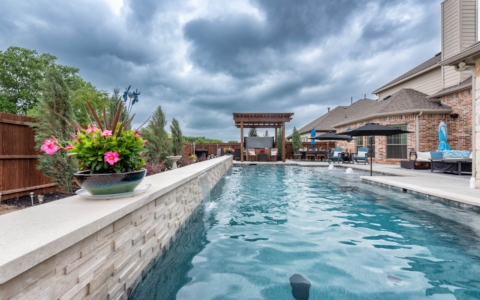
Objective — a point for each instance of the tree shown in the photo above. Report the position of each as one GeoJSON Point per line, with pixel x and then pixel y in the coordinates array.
{"type": "Point", "coordinates": [201, 140]}
{"type": "Point", "coordinates": [87, 91]}
{"type": "Point", "coordinates": [21, 74]}
{"type": "Point", "coordinates": [158, 145]}
{"type": "Point", "coordinates": [53, 121]}
{"type": "Point", "coordinates": [252, 132]}
{"type": "Point", "coordinates": [296, 140]}
{"type": "Point", "coordinates": [279, 142]}
{"type": "Point", "coordinates": [177, 140]}
{"type": "Point", "coordinates": [232, 142]}
{"type": "Point", "coordinates": [113, 103]}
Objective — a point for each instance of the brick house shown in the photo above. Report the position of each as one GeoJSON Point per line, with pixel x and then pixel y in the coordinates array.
{"type": "Point", "coordinates": [422, 97]}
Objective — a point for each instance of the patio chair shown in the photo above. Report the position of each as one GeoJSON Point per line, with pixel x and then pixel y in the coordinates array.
{"type": "Point", "coordinates": [273, 154]}
{"type": "Point", "coordinates": [335, 155]}
{"type": "Point", "coordinates": [251, 154]}
{"type": "Point", "coordinates": [362, 155]}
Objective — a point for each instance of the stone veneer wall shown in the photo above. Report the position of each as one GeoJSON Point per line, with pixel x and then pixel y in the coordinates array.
{"type": "Point", "coordinates": [110, 262]}
{"type": "Point", "coordinates": [459, 130]}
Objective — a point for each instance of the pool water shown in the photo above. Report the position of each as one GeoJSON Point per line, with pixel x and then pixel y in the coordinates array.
{"type": "Point", "coordinates": [351, 240]}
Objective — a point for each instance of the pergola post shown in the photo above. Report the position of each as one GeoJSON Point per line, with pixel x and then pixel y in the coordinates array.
{"type": "Point", "coordinates": [276, 138]}
{"type": "Point", "coordinates": [283, 142]}
{"type": "Point", "coordinates": [241, 141]}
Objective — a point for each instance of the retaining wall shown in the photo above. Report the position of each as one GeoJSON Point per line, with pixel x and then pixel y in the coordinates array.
{"type": "Point", "coordinates": [76, 248]}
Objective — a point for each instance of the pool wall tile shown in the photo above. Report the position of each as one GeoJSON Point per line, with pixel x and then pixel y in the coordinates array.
{"type": "Point", "coordinates": [98, 249]}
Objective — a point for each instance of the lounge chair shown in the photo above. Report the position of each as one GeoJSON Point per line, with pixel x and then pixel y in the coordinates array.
{"type": "Point", "coordinates": [455, 165]}
{"type": "Point", "coordinates": [335, 155]}
{"type": "Point", "coordinates": [362, 155]}
{"type": "Point", "coordinates": [273, 154]}
{"type": "Point", "coordinates": [251, 154]}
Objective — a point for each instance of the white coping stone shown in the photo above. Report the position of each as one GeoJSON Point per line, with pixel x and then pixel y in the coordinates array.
{"type": "Point", "coordinates": [32, 235]}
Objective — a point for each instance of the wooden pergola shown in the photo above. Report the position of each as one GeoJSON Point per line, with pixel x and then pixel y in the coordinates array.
{"type": "Point", "coordinates": [262, 120]}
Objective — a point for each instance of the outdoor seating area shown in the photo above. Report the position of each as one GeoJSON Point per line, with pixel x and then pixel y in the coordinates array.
{"type": "Point", "coordinates": [262, 155]}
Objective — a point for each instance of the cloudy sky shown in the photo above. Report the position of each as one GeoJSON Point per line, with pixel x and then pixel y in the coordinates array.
{"type": "Point", "coordinates": [201, 60]}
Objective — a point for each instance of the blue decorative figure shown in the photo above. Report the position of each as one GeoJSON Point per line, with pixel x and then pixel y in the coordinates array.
{"type": "Point", "coordinates": [126, 93]}
{"type": "Point", "coordinates": [313, 134]}
{"type": "Point", "coordinates": [135, 96]}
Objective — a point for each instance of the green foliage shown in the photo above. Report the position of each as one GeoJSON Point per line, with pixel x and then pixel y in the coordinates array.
{"type": "Point", "coordinates": [232, 142]}
{"type": "Point", "coordinates": [177, 140]}
{"type": "Point", "coordinates": [252, 132]}
{"type": "Point", "coordinates": [201, 140]}
{"type": "Point", "coordinates": [279, 142]}
{"type": "Point", "coordinates": [86, 91]}
{"type": "Point", "coordinates": [113, 103]}
{"type": "Point", "coordinates": [90, 149]}
{"type": "Point", "coordinates": [55, 107]}
{"type": "Point", "coordinates": [158, 143]}
{"type": "Point", "coordinates": [21, 74]}
{"type": "Point", "coordinates": [296, 140]}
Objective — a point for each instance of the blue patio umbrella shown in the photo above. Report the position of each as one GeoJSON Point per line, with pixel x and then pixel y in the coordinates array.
{"type": "Point", "coordinates": [442, 136]}
{"type": "Point", "coordinates": [313, 134]}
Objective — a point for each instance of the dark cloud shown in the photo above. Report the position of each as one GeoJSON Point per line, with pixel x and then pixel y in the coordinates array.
{"type": "Point", "coordinates": [203, 60]}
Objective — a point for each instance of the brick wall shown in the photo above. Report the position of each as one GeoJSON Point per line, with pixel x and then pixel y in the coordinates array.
{"type": "Point", "coordinates": [459, 129]}
{"type": "Point", "coordinates": [109, 263]}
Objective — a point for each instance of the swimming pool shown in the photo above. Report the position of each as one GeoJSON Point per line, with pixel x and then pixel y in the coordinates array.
{"type": "Point", "coordinates": [349, 239]}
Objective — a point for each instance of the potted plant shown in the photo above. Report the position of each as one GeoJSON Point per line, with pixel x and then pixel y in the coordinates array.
{"type": "Point", "coordinates": [109, 155]}
{"type": "Point", "coordinates": [228, 150]}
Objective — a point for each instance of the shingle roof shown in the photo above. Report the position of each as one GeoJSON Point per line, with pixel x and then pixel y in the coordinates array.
{"type": "Point", "coordinates": [467, 83]}
{"type": "Point", "coordinates": [425, 65]}
{"type": "Point", "coordinates": [325, 122]}
{"type": "Point", "coordinates": [405, 100]}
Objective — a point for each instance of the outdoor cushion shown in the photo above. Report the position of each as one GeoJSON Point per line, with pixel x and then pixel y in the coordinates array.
{"type": "Point", "coordinates": [335, 154]}
{"type": "Point", "coordinates": [423, 156]}
{"type": "Point", "coordinates": [436, 155]}
{"type": "Point", "coordinates": [456, 153]}
{"type": "Point", "coordinates": [361, 154]}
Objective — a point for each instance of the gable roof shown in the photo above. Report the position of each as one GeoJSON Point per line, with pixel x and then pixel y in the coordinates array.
{"type": "Point", "coordinates": [427, 65]}
{"type": "Point", "coordinates": [325, 122]}
{"type": "Point", "coordinates": [402, 102]}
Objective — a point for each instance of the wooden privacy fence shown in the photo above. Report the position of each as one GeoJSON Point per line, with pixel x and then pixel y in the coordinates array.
{"type": "Point", "coordinates": [18, 159]}
{"type": "Point", "coordinates": [212, 148]}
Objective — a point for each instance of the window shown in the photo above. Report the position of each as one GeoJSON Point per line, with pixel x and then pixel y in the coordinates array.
{"type": "Point", "coordinates": [397, 144]}
{"type": "Point", "coordinates": [359, 141]}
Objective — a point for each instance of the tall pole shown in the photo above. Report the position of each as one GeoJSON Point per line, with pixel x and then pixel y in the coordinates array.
{"type": "Point", "coordinates": [241, 141]}
{"type": "Point", "coordinates": [276, 138]}
{"type": "Point", "coordinates": [283, 142]}
{"type": "Point", "coordinates": [371, 156]}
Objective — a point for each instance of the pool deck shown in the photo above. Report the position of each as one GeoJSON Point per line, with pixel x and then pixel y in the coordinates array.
{"type": "Point", "coordinates": [441, 185]}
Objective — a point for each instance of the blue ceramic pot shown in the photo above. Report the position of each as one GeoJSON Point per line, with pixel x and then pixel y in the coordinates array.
{"type": "Point", "coordinates": [110, 183]}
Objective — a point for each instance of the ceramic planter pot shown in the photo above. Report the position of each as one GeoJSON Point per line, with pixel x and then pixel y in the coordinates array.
{"type": "Point", "coordinates": [110, 183]}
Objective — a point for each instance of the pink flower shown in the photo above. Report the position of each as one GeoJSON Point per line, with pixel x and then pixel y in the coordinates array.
{"type": "Point", "coordinates": [69, 146]}
{"type": "Point", "coordinates": [137, 134]}
{"type": "Point", "coordinates": [49, 147]}
{"type": "Point", "coordinates": [111, 157]}
{"type": "Point", "coordinates": [74, 137]}
{"type": "Point", "coordinates": [54, 139]}
{"type": "Point", "coordinates": [91, 128]}
{"type": "Point", "coordinates": [145, 142]}
{"type": "Point", "coordinates": [107, 133]}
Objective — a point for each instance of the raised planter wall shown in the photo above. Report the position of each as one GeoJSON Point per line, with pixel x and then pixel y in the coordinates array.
{"type": "Point", "coordinates": [88, 249]}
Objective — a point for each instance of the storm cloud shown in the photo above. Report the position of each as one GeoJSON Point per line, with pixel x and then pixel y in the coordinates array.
{"type": "Point", "coordinates": [202, 60]}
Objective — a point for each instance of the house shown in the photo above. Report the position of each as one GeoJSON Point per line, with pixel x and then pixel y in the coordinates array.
{"type": "Point", "coordinates": [468, 61]}
{"type": "Point", "coordinates": [422, 97]}
{"type": "Point", "coordinates": [325, 122]}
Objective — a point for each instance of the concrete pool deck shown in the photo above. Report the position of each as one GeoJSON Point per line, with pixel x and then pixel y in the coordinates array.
{"type": "Point", "coordinates": [442, 185]}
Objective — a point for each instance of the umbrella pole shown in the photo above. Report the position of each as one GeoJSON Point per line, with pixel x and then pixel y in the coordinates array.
{"type": "Point", "coordinates": [371, 157]}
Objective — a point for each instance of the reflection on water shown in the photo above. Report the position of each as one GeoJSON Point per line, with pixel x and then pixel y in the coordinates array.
{"type": "Point", "coordinates": [350, 240]}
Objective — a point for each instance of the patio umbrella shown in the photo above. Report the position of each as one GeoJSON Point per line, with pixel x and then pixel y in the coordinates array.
{"type": "Point", "coordinates": [313, 134]}
{"type": "Point", "coordinates": [374, 129]}
{"type": "Point", "coordinates": [442, 136]}
{"type": "Point", "coordinates": [332, 136]}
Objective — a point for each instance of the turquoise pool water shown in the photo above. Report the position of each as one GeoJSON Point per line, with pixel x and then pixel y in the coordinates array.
{"type": "Point", "coordinates": [350, 240]}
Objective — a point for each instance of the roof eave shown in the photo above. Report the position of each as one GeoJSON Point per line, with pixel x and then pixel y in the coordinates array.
{"type": "Point", "coordinates": [458, 89]}
{"type": "Point", "coordinates": [466, 56]}
{"type": "Point", "coordinates": [406, 79]}
{"type": "Point", "coordinates": [404, 112]}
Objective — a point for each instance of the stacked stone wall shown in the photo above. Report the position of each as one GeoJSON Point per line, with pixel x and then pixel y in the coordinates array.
{"type": "Point", "coordinates": [111, 262]}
